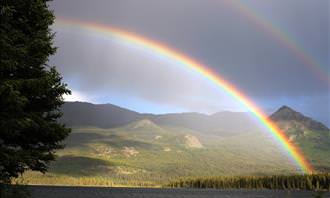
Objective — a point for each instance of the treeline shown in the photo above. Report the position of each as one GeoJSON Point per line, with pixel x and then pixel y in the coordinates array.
{"type": "Point", "coordinates": [53, 179]}
{"type": "Point", "coordinates": [306, 182]}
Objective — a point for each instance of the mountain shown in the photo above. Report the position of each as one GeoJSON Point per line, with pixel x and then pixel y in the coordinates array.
{"type": "Point", "coordinates": [81, 114]}
{"type": "Point", "coordinates": [143, 153]}
{"type": "Point", "coordinates": [110, 145]}
{"type": "Point", "coordinates": [98, 115]}
{"type": "Point", "coordinates": [311, 136]}
{"type": "Point", "coordinates": [109, 116]}
{"type": "Point", "coordinates": [291, 119]}
{"type": "Point", "coordinates": [221, 123]}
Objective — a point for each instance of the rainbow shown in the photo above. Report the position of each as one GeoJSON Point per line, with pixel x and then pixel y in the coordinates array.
{"type": "Point", "coordinates": [160, 49]}
{"type": "Point", "coordinates": [283, 38]}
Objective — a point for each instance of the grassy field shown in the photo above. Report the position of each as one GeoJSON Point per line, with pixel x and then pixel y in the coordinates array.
{"type": "Point", "coordinates": [145, 154]}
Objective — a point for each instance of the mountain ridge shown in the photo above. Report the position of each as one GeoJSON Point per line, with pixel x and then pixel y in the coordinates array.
{"type": "Point", "coordinates": [109, 115]}
{"type": "Point", "coordinates": [219, 123]}
{"type": "Point", "coordinates": [154, 149]}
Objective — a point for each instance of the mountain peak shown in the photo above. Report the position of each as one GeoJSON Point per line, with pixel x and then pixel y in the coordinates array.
{"type": "Point", "coordinates": [287, 114]}
{"type": "Point", "coordinates": [285, 108]}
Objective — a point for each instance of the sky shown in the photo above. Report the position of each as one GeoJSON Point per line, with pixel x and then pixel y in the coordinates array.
{"type": "Point", "coordinates": [276, 52]}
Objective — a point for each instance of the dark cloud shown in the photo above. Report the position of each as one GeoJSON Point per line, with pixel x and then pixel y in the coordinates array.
{"type": "Point", "coordinates": [106, 67]}
{"type": "Point", "coordinates": [213, 32]}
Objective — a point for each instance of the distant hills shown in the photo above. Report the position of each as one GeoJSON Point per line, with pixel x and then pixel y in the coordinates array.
{"type": "Point", "coordinates": [221, 123]}
{"type": "Point", "coordinates": [100, 115]}
{"type": "Point", "coordinates": [109, 116]}
{"type": "Point", "coordinates": [113, 144]}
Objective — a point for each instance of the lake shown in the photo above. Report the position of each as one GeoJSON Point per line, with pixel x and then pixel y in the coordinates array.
{"type": "Point", "coordinates": [105, 192]}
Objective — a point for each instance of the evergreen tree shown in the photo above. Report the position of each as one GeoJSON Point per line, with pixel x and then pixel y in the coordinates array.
{"type": "Point", "coordinates": [30, 90]}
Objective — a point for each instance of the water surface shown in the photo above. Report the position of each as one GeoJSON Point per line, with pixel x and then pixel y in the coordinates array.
{"type": "Point", "coordinates": [105, 192]}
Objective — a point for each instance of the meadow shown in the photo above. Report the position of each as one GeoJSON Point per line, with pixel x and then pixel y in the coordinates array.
{"type": "Point", "coordinates": [143, 154]}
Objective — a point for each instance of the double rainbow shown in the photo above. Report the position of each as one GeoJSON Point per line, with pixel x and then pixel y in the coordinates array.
{"type": "Point", "coordinates": [160, 49]}
{"type": "Point", "coordinates": [282, 37]}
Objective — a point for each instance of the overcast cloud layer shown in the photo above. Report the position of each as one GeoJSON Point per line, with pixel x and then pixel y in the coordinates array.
{"type": "Point", "coordinates": [212, 31]}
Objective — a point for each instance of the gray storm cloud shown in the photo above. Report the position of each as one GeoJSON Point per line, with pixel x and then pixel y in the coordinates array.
{"type": "Point", "coordinates": [212, 32]}
{"type": "Point", "coordinates": [224, 38]}
{"type": "Point", "coordinates": [98, 64]}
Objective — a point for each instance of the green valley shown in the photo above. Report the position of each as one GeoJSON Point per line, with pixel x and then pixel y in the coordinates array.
{"type": "Point", "coordinates": [146, 153]}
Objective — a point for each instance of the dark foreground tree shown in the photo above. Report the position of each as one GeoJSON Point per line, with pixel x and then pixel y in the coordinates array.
{"type": "Point", "coordinates": [30, 91]}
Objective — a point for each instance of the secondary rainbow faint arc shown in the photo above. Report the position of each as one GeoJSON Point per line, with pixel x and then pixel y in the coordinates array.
{"type": "Point", "coordinates": [163, 50]}
{"type": "Point", "coordinates": [283, 38]}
